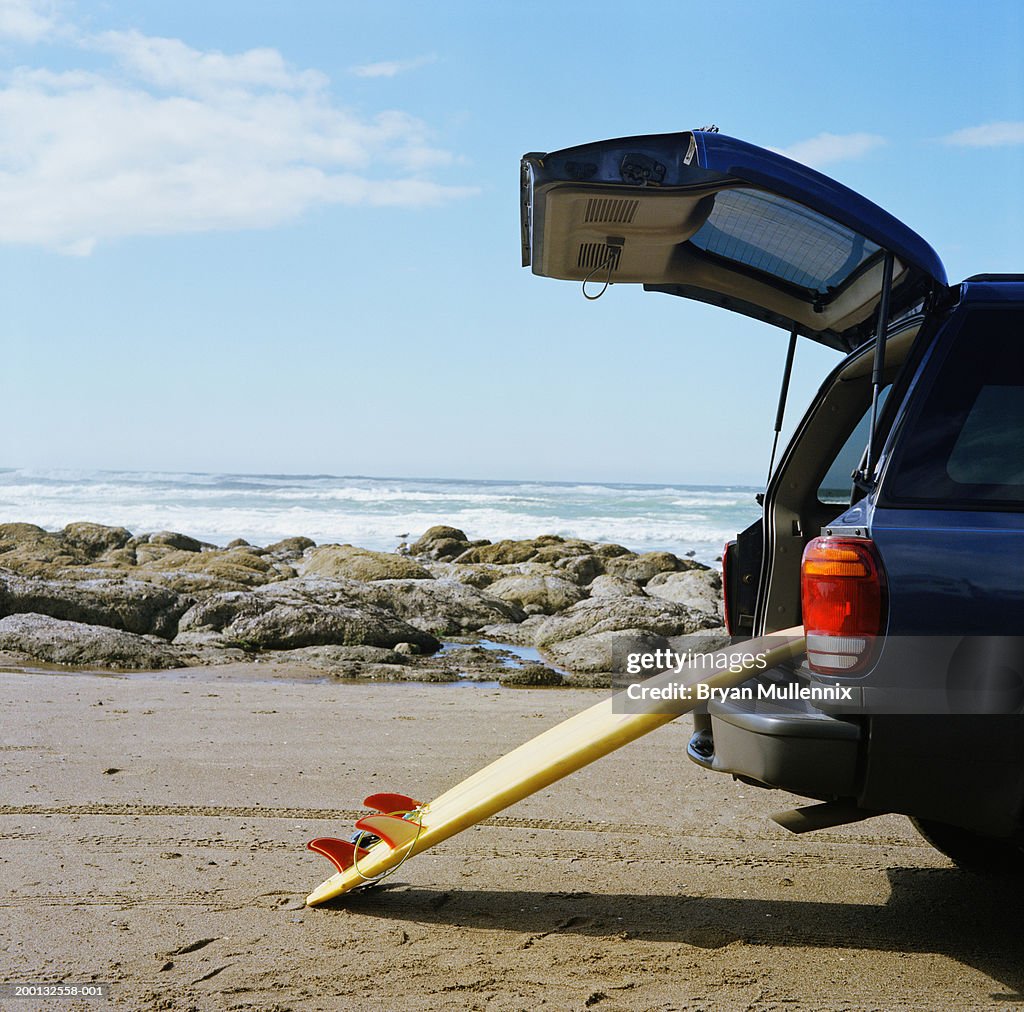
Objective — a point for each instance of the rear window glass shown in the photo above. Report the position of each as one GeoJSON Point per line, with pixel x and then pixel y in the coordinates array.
{"type": "Point", "coordinates": [783, 239]}
{"type": "Point", "coordinates": [967, 443]}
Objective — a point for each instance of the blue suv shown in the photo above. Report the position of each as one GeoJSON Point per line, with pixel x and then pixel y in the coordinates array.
{"type": "Point", "coordinates": [893, 523]}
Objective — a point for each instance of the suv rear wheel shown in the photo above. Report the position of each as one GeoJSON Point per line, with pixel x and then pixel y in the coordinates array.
{"type": "Point", "coordinates": [982, 855]}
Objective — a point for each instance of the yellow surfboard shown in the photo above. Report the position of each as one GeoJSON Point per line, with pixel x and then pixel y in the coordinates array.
{"type": "Point", "coordinates": [405, 827]}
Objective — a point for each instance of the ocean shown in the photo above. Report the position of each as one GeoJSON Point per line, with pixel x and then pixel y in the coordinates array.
{"type": "Point", "coordinates": [379, 513]}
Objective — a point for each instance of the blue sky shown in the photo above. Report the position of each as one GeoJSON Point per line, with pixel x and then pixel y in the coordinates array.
{"type": "Point", "coordinates": [270, 237]}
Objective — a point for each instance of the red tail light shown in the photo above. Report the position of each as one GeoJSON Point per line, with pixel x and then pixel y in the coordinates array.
{"type": "Point", "coordinates": [843, 592]}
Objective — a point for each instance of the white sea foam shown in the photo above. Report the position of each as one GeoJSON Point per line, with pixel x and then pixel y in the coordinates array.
{"type": "Point", "coordinates": [379, 512]}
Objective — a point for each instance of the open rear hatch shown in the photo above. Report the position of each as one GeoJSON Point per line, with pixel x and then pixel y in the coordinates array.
{"type": "Point", "coordinates": [711, 218]}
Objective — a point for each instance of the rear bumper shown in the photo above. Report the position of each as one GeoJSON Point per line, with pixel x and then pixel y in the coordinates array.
{"type": "Point", "coordinates": [966, 771]}
{"type": "Point", "coordinates": [793, 747]}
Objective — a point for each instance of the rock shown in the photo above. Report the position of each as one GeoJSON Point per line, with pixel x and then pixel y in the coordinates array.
{"type": "Point", "coordinates": [31, 551]}
{"type": "Point", "coordinates": [301, 613]}
{"type": "Point", "coordinates": [474, 575]}
{"type": "Point", "coordinates": [429, 543]}
{"type": "Point", "coordinates": [131, 605]}
{"type": "Point", "coordinates": [445, 548]}
{"type": "Point", "coordinates": [501, 552]}
{"type": "Point", "coordinates": [643, 567]}
{"type": "Point", "coordinates": [614, 586]}
{"type": "Point", "coordinates": [603, 651]}
{"type": "Point", "coordinates": [119, 558]}
{"type": "Point", "coordinates": [609, 551]}
{"type": "Point", "coordinates": [395, 673]}
{"type": "Point", "coordinates": [346, 562]}
{"type": "Point", "coordinates": [218, 603]}
{"type": "Point", "coordinates": [206, 644]}
{"type": "Point", "coordinates": [213, 613]}
{"type": "Point", "coordinates": [339, 661]}
{"type": "Point", "coordinates": [291, 548]}
{"type": "Point", "coordinates": [596, 615]}
{"type": "Point", "coordinates": [60, 642]}
{"type": "Point", "coordinates": [145, 552]}
{"type": "Point", "coordinates": [697, 588]}
{"type": "Point", "coordinates": [707, 641]}
{"type": "Point", "coordinates": [530, 674]}
{"type": "Point", "coordinates": [287, 626]}
{"type": "Point", "coordinates": [537, 595]}
{"type": "Point", "coordinates": [555, 550]}
{"type": "Point", "coordinates": [442, 607]}
{"type": "Point", "coordinates": [581, 569]}
{"type": "Point", "coordinates": [441, 543]}
{"type": "Point", "coordinates": [517, 634]}
{"type": "Point", "coordinates": [172, 539]}
{"type": "Point", "coordinates": [221, 569]}
{"type": "Point", "coordinates": [473, 662]}
{"type": "Point", "coordinates": [95, 539]}
{"type": "Point", "coordinates": [247, 549]}
{"type": "Point", "coordinates": [21, 533]}
{"type": "Point", "coordinates": [547, 540]}
{"type": "Point", "coordinates": [548, 549]}
{"type": "Point", "coordinates": [491, 662]}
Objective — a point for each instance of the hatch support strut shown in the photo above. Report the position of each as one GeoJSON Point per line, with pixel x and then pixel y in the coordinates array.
{"type": "Point", "coordinates": [783, 394]}
{"type": "Point", "coordinates": [878, 367]}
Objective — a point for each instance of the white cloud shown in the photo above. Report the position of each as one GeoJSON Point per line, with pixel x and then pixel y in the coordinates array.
{"type": "Point", "coordinates": [391, 68]}
{"type": "Point", "coordinates": [26, 20]}
{"type": "Point", "coordinates": [988, 135]}
{"type": "Point", "coordinates": [826, 148]}
{"type": "Point", "coordinates": [173, 139]}
{"type": "Point", "coordinates": [172, 64]}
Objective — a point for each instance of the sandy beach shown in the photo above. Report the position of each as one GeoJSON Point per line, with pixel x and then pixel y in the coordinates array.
{"type": "Point", "coordinates": [154, 826]}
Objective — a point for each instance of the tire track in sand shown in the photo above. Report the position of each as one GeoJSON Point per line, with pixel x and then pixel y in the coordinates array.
{"type": "Point", "coordinates": [351, 814]}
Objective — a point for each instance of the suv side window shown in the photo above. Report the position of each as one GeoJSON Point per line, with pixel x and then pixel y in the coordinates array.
{"type": "Point", "coordinates": [966, 445]}
{"type": "Point", "coordinates": [837, 485]}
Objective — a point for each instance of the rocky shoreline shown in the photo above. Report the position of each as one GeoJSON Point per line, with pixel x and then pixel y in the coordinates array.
{"type": "Point", "coordinates": [101, 598]}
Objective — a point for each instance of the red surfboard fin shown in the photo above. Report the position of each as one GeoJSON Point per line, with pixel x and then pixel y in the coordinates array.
{"type": "Point", "coordinates": [390, 804]}
{"type": "Point", "coordinates": [341, 853]}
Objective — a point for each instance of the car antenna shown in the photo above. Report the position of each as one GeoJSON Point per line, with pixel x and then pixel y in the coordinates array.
{"type": "Point", "coordinates": [877, 368]}
{"type": "Point", "coordinates": [783, 394]}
